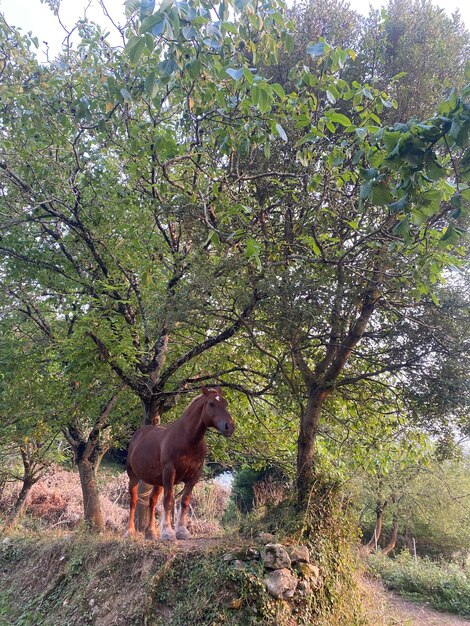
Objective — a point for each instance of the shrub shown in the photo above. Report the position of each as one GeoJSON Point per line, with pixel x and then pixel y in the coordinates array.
{"type": "Point", "coordinates": [445, 585]}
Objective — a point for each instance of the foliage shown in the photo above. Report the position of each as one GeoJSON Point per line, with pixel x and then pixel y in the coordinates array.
{"type": "Point", "coordinates": [445, 585]}
{"type": "Point", "coordinates": [172, 214]}
{"type": "Point", "coordinates": [428, 499]}
{"type": "Point", "coordinates": [416, 49]}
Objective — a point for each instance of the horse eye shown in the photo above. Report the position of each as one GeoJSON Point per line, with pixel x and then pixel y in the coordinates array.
{"type": "Point", "coordinates": [211, 403]}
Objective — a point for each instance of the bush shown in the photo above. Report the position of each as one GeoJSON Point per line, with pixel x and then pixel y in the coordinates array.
{"type": "Point", "coordinates": [445, 585]}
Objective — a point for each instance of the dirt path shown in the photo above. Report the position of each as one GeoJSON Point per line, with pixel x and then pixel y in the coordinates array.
{"type": "Point", "coordinates": [412, 613]}
{"type": "Point", "coordinates": [394, 610]}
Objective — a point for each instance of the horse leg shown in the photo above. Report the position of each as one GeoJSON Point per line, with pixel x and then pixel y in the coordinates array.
{"type": "Point", "coordinates": [181, 530]}
{"type": "Point", "coordinates": [151, 531]}
{"type": "Point", "coordinates": [166, 531]}
{"type": "Point", "coordinates": [133, 487]}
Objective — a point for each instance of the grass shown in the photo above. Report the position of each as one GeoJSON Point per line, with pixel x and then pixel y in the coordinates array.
{"type": "Point", "coordinates": [446, 586]}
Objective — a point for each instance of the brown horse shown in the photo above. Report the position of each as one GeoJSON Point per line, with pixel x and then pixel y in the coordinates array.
{"type": "Point", "coordinates": [163, 456]}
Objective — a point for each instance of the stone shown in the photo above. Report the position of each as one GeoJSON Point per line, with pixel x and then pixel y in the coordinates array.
{"type": "Point", "coordinates": [299, 554]}
{"type": "Point", "coordinates": [237, 564]}
{"type": "Point", "coordinates": [7, 541]}
{"type": "Point", "coordinates": [281, 583]}
{"type": "Point", "coordinates": [250, 554]}
{"type": "Point", "coordinates": [304, 587]}
{"type": "Point", "coordinates": [275, 556]}
{"type": "Point", "coordinates": [308, 572]}
{"type": "Point", "coordinates": [267, 537]}
{"type": "Point", "coordinates": [228, 557]}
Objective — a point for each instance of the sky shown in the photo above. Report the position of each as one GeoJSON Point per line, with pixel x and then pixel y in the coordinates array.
{"type": "Point", "coordinates": [33, 16]}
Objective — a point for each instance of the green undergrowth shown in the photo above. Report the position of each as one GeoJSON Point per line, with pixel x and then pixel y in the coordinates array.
{"type": "Point", "coordinates": [81, 579]}
{"type": "Point", "coordinates": [446, 586]}
{"type": "Point", "coordinates": [326, 526]}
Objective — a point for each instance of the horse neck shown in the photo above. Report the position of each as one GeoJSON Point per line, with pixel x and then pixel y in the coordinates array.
{"type": "Point", "coordinates": [192, 423]}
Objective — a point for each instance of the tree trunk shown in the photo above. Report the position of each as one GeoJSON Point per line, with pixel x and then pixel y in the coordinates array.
{"type": "Point", "coordinates": [91, 499]}
{"type": "Point", "coordinates": [20, 505]}
{"type": "Point", "coordinates": [393, 538]}
{"type": "Point", "coordinates": [309, 424]}
{"type": "Point", "coordinates": [151, 409]}
{"type": "Point", "coordinates": [372, 543]}
{"type": "Point", "coordinates": [88, 452]}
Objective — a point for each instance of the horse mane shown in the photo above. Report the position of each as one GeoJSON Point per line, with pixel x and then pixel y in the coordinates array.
{"type": "Point", "coordinates": [190, 406]}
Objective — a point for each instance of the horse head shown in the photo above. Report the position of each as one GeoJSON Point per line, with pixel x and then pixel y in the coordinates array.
{"type": "Point", "coordinates": [214, 411]}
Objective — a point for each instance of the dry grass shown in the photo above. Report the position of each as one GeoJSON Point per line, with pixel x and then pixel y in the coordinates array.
{"type": "Point", "coordinates": [56, 502]}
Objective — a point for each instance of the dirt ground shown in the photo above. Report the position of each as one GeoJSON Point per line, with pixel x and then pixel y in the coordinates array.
{"type": "Point", "coordinates": [397, 611]}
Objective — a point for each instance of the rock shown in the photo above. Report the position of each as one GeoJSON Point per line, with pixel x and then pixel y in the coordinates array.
{"type": "Point", "coordinates": [299, 554]}
{"type": "Point", "coordinates": [281, 583]}
{"type": "Point", "coordinates": [275, 556]}
{"type": "Point", "coordinates": [7, 541]}
{"type": "Point", "coordinates": [237, 564]}
{"type": "Point", "coordinates": [267, 537]}
{"type": "Point", "coordinates": [308, 572]}
{"type": "Point", "coordinates": [304, 587]}
{"type": "Point", "coordinates": [250, 554]}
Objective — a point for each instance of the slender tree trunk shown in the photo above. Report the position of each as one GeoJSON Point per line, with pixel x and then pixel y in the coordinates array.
{"type": "Point", "coordinates": [88, 452]}
{"type": "Point", "coordinates": [393, 537]}
{"type": "Point", "coordinates": [372, 543]}
{"type": "Point", "coordinates": [309, 424]}
{"type": "Point", "coordinates": [32, 472]}
{"type": "Point", "coordinates": [91, 498]}
{"type": "Point", "coordinates": [20, 505]}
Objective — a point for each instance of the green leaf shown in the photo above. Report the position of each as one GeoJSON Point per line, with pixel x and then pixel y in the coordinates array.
{"type": "Point", "coordinates": [340, 119]}
{"type": "Point", "coordinates": [380, 195]}
{"type": "Point", "coordinates": [154, 24]}
{"type": "Point", "coordinates": [248, 74]}
{"type": "Point", "coordinates": [189, 32]}
{"type": "Point", "coordinates": [235, 74]}
{"type": "Point", "coordinates": [265, 100]}
{"type": "Point", "coordinates": [151, 86]}
{"type": "Point", "coordinates": [402, 229]}
{"type": "Point", "coordinates": [451, 235]}
{"type": "Point", "coordinates": [167, 67]}
{"type": "Point", "coordinates": [330, 97]}
{"type": "Point", "coordinates": [281, 132]}
{"type": "Point", "coordinates": [279, 90]}
{"type": "Point", "coordinates": [194, 68]}
{"type": "Point", "coordinates": [399, 205]}
{"type": "Point", "coordinates": [316, 49]}
{"type": "Point", "coordinates": [126, 95]}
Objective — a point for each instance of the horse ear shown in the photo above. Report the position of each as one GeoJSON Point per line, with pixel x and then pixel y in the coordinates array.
{"type": "Point", "coordinates": [204, 390]}
{"type": "Point", "coordinates": [218, 390]}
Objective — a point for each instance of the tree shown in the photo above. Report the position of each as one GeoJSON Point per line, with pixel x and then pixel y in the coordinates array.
{"type": "Point", "coordinates": [174, 191]}
{"type": "Point", "coordinates": [49, 389]}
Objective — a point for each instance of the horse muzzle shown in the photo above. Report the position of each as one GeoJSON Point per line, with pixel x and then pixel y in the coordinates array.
{"type": "Point", "coordinates": [226, 428]}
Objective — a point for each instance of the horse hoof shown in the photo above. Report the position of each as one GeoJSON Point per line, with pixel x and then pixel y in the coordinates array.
{"type": "Point", "coordinates": [151, 534]}
{"type": "Point", "coordinates": [166, 536]}
{"type": "Point", "coordinates": [182, 533]}
{"type": "Point", "coordinates": [130, 534]}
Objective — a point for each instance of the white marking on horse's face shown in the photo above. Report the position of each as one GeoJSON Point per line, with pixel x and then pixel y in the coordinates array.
{"type": "Point", "coordinates": [217, 398]}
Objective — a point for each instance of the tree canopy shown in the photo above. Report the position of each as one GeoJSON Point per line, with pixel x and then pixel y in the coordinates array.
{"type": "Point", "coordinates": [217, 200]}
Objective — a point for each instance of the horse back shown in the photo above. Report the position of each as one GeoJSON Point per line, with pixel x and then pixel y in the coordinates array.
{"type": "Point", "coordinates": [144, 445]}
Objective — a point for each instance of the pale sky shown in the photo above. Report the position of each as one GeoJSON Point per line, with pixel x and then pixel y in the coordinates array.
{"type": "Point", "coordinates": [33, 16]}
